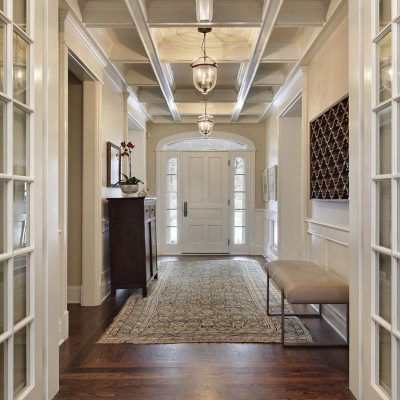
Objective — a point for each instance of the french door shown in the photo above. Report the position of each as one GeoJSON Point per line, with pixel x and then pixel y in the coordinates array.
{"type": "Point", "coordinates": [383, 317]}
{"type": "Point", "coordinates": [17, 184]}
{"type": "Point", "coordinates": [205, 202]}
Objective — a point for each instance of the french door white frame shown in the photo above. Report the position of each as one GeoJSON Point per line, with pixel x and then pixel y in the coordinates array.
{"type": "Point", "coordinates": [32, 321]}
{"type": "Point", "coordinates": [372, 322]}
{"type": "Point", "coordinates": [161, 163]}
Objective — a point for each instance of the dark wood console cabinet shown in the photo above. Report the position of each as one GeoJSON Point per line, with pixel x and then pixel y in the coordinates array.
{"type": "Point", "coordinates": [133, 242]}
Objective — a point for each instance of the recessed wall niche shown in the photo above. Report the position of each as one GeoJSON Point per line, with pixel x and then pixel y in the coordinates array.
{"type": "Point", "coordinates": [329, 153]}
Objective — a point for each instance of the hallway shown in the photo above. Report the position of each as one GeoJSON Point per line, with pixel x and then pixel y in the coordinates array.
{"type": "Point", "coordinates": [193, 371]}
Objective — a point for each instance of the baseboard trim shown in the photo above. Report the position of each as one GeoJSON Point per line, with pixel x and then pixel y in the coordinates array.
{"type": "Point", "coordinates": [74, 294]}
{"type": "Point", "coordinates": [334, 318]}
{"type": "Point", "coordinates": [105, 290]}
{"type": "Point", "coordinates": [63, 328]}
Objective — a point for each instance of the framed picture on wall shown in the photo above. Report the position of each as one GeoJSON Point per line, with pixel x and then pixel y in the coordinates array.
{"type": "Point", "coordinates": [272, 183]}
{"type": "Point", "coordinates": [113, 164]}
{"type": "Point", "coordinates": [265, 184]}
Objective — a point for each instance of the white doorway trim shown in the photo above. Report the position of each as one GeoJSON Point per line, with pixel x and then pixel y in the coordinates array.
{"type": "Point", "coordinates": [89, 62]}
{"type": "Point", "coordinates": [161, 157]}
{"type": "Point", "coordinates": [195, 134]}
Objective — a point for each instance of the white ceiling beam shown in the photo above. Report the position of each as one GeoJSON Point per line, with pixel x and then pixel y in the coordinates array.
{"type": "Point", "coordinates": [218, 119]}
{"type": "Point", "coordinates": [139, 18]}
{"type": "Point", "coordinates": [270, 15]}
{"type": "Point", "coordinates": [215, 96]}
{"type": "Point", "coordinates": [302, 13]}
{"type": "Point", "coordinates": [204, 11]}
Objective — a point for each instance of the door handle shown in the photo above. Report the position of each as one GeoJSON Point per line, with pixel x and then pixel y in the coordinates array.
{"type": "Point", "coordinates": [185, 208]}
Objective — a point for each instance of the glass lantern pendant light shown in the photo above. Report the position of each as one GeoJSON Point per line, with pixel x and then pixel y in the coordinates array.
{"type": "Point", "coordinates": [204, 68]}
{"type": "Point", "coordinates": [205, 123]}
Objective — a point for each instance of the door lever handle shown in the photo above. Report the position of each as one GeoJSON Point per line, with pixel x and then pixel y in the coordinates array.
{"type": "Point", "coordinates": [185, 208]}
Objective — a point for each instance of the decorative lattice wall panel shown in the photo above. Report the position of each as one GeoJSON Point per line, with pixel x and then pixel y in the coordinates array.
{"type": "Point", "coordinates": [329, 153]}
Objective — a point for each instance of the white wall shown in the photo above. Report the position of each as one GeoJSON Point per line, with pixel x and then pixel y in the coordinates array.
{"type": "Point", "coordinates": [322, 84]}
{"type": "Point", "coordinates": [112, 129]}
{"type": "Point", "coordinates": [75, 135]}
{"type": "Point", "coordinates": [328, 81]}
{"type": "Point", "coordinates": [139, 154]}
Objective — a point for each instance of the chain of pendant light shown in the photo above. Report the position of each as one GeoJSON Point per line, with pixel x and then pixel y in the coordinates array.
{"type": "Point", "coordinates": [204, 79]}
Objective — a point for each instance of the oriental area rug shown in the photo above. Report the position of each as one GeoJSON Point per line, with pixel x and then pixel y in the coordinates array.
{"type": "Point", "coordinates": [222, 301]}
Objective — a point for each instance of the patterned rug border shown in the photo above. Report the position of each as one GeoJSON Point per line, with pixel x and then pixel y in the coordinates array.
{"type": "Point", "coordinates": [298, 331]}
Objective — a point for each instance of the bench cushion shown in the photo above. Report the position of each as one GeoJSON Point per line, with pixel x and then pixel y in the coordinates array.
{"type": "Point", "coordinates": [304, 282]}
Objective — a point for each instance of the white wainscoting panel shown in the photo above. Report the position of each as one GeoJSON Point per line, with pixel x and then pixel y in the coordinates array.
{"type": "Point", "coordinates": [259, 233]}
{"type": "Point", "coordinates": [327, 245]}
{"type": "Point", "coordinates": [105, 283]}
{"type": "Point", "coordinates": [270, 220]}
{"type": "Point", "coordinates": [74, 294]}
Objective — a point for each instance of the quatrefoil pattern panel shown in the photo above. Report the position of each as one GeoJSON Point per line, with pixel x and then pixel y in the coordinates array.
{"type": "Point", "coordinates": [329, 154]}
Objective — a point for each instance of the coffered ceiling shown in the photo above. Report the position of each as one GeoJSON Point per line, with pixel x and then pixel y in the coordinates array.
{"type": "Point", "coordinates": [256, 43]}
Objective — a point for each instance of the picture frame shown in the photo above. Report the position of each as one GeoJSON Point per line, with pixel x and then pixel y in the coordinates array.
{"type": "Point", "coordinates": [265, 184]}
{"type": "Point", "coordinates": [113, 165]}
{"type": "Point", "coordinates": [273, 183]}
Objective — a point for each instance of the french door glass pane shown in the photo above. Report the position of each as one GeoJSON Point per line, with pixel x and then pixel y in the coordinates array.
{"type": "Point", "coordinates": [3, 216]}
{"type": "Point", "coordinates": [385, 361]}
{"type": "Point", "coordinates": [384, 280]}
{"type": "Point", "coordinates": [385, 214]}
{"type": "Point", "coordinates": [3, 362]}
{"type": "Point", "coordinates": [385, 13]}
{"type": "Point", "coordinates": [20, 68]}
{"type": "Point", "coordinates": [20, 143]}
{"type": "Point", "coordinates": [20, 14]}
{"type": "Point", "coordinates": [2, 56]}
{"type": "Point", "coordinates": [3, 137]}
{"type": "Point", "coordinates": [385, 68]}
{"type": "Point", "coordinates": [3, 297]}
{"type": "Point", "coordinates": [384, 163]}
{"type": "Point", "coordinates": [20, 361]}
{"type": "Point", "coordinates": [21, 214]}
{"type": "Point", "coordinates": [21, 288]}
{"type": "Point", "coordinates": [398, 308]}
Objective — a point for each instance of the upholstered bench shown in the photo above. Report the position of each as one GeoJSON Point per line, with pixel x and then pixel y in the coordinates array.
{"type": "Point", "coordinates": [303, 282]}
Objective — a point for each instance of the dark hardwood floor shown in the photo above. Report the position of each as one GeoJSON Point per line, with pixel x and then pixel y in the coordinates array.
{"type": "Point", "coordinates": [194, 371]}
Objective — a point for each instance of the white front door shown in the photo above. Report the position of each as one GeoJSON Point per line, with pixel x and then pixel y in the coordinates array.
{"type": "Point", "coordinates": [205, 202]}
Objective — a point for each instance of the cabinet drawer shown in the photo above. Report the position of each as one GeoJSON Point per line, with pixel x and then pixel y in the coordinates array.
{"type": "Point", "coordinates": [147, 212]}
{"type": "Point", "coordinates": [152, 211]}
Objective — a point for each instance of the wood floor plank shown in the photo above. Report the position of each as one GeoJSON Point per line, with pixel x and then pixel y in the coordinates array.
{"type": "Point", "coordinates": [196, 371]}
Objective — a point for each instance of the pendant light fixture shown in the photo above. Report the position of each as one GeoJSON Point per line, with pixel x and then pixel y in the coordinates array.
{"type": "Point", "coordinates": [204, 68]}
{"type": "Point", "coordinates": [205, 123]}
